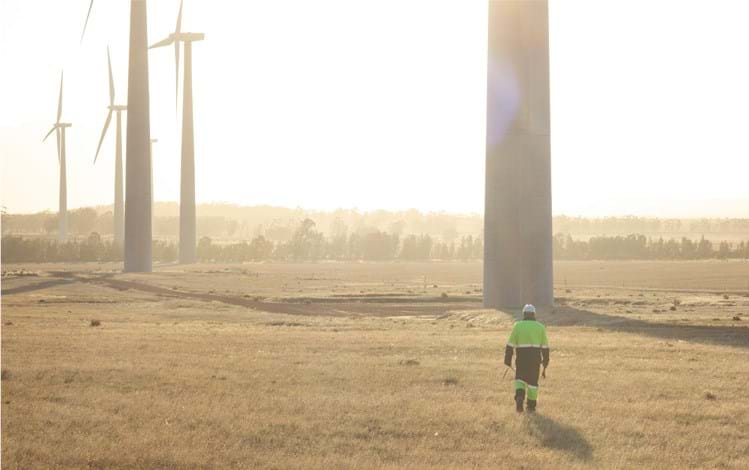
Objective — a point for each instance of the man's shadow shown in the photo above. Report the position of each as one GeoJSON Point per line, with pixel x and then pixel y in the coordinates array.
{"type": "Point", "coordinates": [559, 436]}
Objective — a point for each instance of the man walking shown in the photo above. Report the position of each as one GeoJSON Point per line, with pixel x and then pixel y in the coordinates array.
{"type": "Point", "coordinates": [528, 337]}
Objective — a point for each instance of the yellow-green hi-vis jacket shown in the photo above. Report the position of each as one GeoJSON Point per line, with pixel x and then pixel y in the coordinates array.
{"type": "Point", "coordinates": [528, 340]}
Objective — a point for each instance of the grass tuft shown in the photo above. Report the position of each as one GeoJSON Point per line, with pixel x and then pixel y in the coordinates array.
{"type": "Point", "coordinates": [95, 323]}
{"type": "Point", "coordinates": [450, 381]}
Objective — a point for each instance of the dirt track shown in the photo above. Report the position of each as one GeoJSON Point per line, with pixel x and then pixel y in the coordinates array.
{"type": "Point", "coordinates": [341, 305]}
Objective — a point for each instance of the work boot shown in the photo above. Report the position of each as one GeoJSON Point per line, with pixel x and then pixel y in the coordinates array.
{"type": "Point", "coordinates": [519, 397]}
{"type": "Point", "coordinates": [531, 406]}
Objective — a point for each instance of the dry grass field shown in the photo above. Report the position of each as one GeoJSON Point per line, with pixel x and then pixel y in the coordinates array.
{"type": "Point", "coordinates": [367, 365]}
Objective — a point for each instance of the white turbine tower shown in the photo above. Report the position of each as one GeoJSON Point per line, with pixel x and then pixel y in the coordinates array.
{"type": "Point", "coordinates": [59, 129]}
{"type": "Point", "coordinates": [187, 217]}
{"type": "Point", "coordinates": [518, 263]}
{"type": "Point", "coordinates": [119, 201]}
{"type": "Point", "coordinates": [137, 249]}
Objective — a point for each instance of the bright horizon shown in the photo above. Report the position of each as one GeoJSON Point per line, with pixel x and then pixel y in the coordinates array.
{"type": "Point", "coordinates": [380, 105]}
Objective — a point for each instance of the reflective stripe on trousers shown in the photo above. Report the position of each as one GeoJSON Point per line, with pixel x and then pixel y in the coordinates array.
{"type": "Point", "coordinates": [531, 390]}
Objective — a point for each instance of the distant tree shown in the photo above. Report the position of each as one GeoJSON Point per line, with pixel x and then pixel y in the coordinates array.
{"type": "Point", "coordinates": [82, 220]}
{"type": "Point", "coordinates": [307, 243]}
{"type": "Point", "coordinates": [50, 224]}
{"type": "Point", "coordinates": [724, 250]}
{"type": "Point", "coordinates": [162, 251]}
{"type": "Point", "coordinates": [378, 246]}
{"type": "Point", "coordinates": [90, 249]}
{"type": "Point", "coordinates": [704, 248]}
{"type": "Point", "coordinates": [94, 239]}
{"type": "Point", "coordinates": [205, 249]}
{"type": "Point", "coordinates": [416, 248]}
{"type": "Point", "coordinates": [260, 248]}
{"type": "Point", "coordinates": [282, 251]}
{"type": "Point", "coordinates": [688, 249]}
{"type": "Point", "coordinates": [337, 247]}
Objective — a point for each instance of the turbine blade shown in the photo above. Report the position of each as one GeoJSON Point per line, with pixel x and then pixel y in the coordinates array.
{"type": "Point", "coordinates": [59, 155]}
{"type": "Point", "coordinates": [163, 42]}
{"type": "Point", "coordinates": [90, 5]}
{"type": "Point", "coordinates": [49, 133]}
{"type": "Point", "coordinates": [103, 133]}
{"type": "Point", "coordinates": [111, 80]}
{"type": "Point", "coordinates": [59, 102]}
{"type": "Point", "coordinates": [179, 20]}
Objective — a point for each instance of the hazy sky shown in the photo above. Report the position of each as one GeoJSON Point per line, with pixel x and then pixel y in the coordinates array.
{"type": "Point", "coordinates": [380, 104]}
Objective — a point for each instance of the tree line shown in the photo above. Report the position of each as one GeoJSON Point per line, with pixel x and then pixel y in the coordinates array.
{"type": "Point", "coordinates": [305, 244]}
{"type": "Point", "coordinates": [650, 226]}
{"type": "Point", "coordinates": [640, 247]}
{"type": "Point", "coordinates": [228, 222]}
{"type": "Point", "coordinates": [309, 244]}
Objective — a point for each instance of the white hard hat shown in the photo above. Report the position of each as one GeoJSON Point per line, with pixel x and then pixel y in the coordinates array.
{"type": "Point", "coordinates": [529, 309]}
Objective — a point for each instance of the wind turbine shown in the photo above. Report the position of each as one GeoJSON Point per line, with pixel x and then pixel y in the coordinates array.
{"type": "Point", "coordinates": [187, 218]}
{"type": "Point", "coordinates": [137, 250]}
{"type": "Point", "coordinates": [119, 203]}
{"type": "Point", "coordinates": [59, 129]}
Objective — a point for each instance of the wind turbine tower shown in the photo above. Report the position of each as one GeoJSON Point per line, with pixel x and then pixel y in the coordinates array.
{"type": "Point", "coordinates": [187, 212]}
{"type": "Point", "coordinates": [138, 162]}
{"type": "Point", "coordinates": [59, 129]}
{"type": "Point", "coordinates": [138, 165]}
{"type": "Point", "coordinates": [119, 202]}
{"type": "Point", "coordinates": [517, 219]}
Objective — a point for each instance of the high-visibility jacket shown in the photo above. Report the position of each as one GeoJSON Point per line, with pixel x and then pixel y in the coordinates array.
{"type": "Point", "coordinates": [528, 337]}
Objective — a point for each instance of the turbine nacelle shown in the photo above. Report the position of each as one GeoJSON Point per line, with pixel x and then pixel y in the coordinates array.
{"type": "Point", "coordinates": [191, 37]}
{"type": "Point", "coordinates": [176, 38]}
{"type": "Point", "coordinates": [183, 37]}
